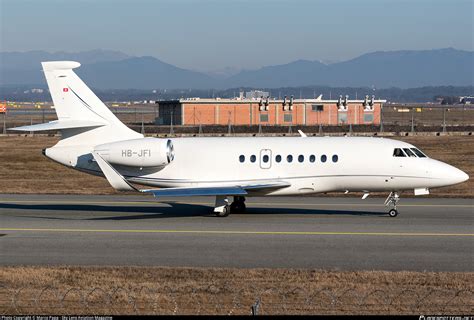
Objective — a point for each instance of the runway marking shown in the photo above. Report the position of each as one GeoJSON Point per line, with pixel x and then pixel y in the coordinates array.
{"type": "Point", "coordinates": [116, 203]}
{"type": "Point", "coordinates": [315, 233]}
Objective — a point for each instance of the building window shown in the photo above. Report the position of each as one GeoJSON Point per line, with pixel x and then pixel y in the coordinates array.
{"type": "Point", "coordinates": [263, 117]}
{"type": "Point", "coordinates": [368, 117]}
{"type": "Point", "coordinates": [335, 158]}
{"type": "Point", "coordinates": [323, 158]}
{"type": "Point", "coordinates": [288, 117]}
{"type": "Point", "coordinates": [242, 158]}
{"type": "Point", "coordinates": [265, 158]}
{"type": "Point", "coordinates": [317, 107]}
{"type": "Point", "coordinates": [342, 117]}
{"type": "Point", "coordinates": [312, 158]}
{"type": "Point", "coordinates": [289, 158]}
{"type": "Point", "coordinates": [253, 158]}
{"type": "Point", "coordinates": [278, 158]}
{"type": "Point", "coordinates": [301, 158]}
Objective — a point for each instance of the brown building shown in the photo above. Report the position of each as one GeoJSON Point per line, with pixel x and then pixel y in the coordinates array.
{"type": "Point", "coordinates": [196, 111]}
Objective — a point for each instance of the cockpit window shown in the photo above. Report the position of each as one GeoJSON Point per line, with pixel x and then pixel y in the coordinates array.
{"type": "Point", "coordinates": [398, 153]}
{"type": "Point", "coordinates": [418, 153]}
{"type": "Point", "coordinates": [409, 152]}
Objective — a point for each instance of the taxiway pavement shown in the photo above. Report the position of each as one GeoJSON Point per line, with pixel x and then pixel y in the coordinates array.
{"type": "Point", "coordinates": [298, 232]}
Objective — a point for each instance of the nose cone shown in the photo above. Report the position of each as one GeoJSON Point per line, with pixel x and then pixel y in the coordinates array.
{"type": "Point", "coordinates": [452, 175]}
{"type": "Point", "coordinates": [461, 176]}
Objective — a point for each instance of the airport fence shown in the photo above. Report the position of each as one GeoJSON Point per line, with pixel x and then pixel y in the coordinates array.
{"type": "Point", "coordinates": [222, 300]}
{"type": "Point", "coordinates": [395, 118]}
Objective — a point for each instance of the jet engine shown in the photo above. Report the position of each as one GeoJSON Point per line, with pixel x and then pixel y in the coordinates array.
{"type": "Point", "coordinates": [145, 152]}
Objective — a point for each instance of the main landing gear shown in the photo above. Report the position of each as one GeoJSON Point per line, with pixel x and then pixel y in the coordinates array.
{"type": "Point", "coordinates": [392, 201]}
{"type": "Point", "coordinates": [223, 209]}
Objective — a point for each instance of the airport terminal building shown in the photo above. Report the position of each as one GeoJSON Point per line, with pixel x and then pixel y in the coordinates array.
{"type": "Point", "coordinates": [264, 111]}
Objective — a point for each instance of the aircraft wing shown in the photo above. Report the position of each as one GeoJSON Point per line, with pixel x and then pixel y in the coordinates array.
{"type": "Point", "coordinates": [118, 182]}
{"type": "Point", "coordinates": [197, 191]}
{"type": "Point", "coordinates": [237, 190]}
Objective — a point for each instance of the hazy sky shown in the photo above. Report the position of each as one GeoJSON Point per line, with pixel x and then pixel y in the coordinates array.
{"type": "Point", "coordinates": [213, 34]}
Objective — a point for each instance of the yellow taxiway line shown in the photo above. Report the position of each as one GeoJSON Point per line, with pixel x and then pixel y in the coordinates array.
{"type": "Point", "coordinates": [166, 201]}
{"type": "Point", "coordinates": [237, 232]}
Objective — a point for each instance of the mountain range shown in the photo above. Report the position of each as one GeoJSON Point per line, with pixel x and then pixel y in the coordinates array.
{"type": "Point", "coordinates": [106, 69]}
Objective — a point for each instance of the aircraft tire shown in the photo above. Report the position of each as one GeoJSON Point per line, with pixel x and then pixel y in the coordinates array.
{"type": "Point", "coordinates": [393, 213]}
{"type": "Point", "coordinates": [237, 207]}
{"type": "Point", "coordinates": [225, 212]}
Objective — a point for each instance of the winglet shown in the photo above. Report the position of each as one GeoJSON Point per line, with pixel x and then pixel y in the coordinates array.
{"type": "Point", "coordinates": [116, 180]}
{"type": "Point", "coordinates": [302, 134]}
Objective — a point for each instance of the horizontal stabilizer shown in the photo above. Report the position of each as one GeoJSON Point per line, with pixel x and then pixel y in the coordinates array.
{"type": "Point", "coordinates": [60, 125]}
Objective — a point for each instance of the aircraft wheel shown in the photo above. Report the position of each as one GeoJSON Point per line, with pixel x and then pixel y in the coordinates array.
{"type": "Point", "coordinates": [393, 213]}
{"type": "Point", "coordinates": [225, 212]}
{"type": "Point", "coordinates": [237, 207]}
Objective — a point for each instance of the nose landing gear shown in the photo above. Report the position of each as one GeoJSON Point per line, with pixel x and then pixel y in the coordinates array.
{"type": "Point", "coordinates": [393, 213]}
{"type": "Point", "coordinates": [392, 201]}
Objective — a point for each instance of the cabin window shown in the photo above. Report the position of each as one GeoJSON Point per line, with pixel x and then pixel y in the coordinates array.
{"type": "Point", "coordinates": [301, 158]}
{"type": "Point", "coordinates": [278, 158]}
{"type": "Point", "coordinates": [253, 158]}
{"type": "Point", "coordinates": [324, 158]}
{"type": "Point", "coordinates": [266, 158]}
{"type": "Point", "coordinates": [312, 158]}
{"type": "Point", "coordinates": [335, 158]}
{"type": "Point", "coordinates": [409, 152]}
{"type": "Point", "coordinates": [288, 117]}
{"type": "Point", "coordinates": [418, 153]}
{"type": "Point", "coordinates": [289, 158]}
{"type": "Point", "coordinates": [397, 152]}
{"type": "Point", "coordinates": [242, 158]}
{"type": "Point", "coordinates": [263, 117]}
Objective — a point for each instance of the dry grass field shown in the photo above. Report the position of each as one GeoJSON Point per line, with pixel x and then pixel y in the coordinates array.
{"type": "Point", "coordinates": [23, 169]}
{"type": "Point", "coordinates": [156, 290]}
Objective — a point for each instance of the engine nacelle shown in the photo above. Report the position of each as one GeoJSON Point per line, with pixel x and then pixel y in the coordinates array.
{"type": "Point", "coordinates": [145, 152]}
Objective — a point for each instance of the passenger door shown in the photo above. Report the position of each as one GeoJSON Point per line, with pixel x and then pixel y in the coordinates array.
{"type": "Point", "coordinates": [265, 158]}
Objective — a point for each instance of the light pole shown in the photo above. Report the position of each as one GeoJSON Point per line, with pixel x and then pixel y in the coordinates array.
{"type": "Point", "coordinates": [444, 120]}
{"type": "Point", "coordinates": [5, 119]}
{"type": "Point", "coordinates": [381, 118]}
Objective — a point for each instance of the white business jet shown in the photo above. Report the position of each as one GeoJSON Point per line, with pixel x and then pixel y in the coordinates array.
{"type": "Point", "coordinates": [96, 142]}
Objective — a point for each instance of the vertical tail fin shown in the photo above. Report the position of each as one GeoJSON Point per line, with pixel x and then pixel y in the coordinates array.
{"type": "Point", "coordinates": [75, 102]}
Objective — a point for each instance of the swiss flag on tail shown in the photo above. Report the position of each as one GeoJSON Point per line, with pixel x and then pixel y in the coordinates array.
{"type": "Point", "coordinates": [65, 89]}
